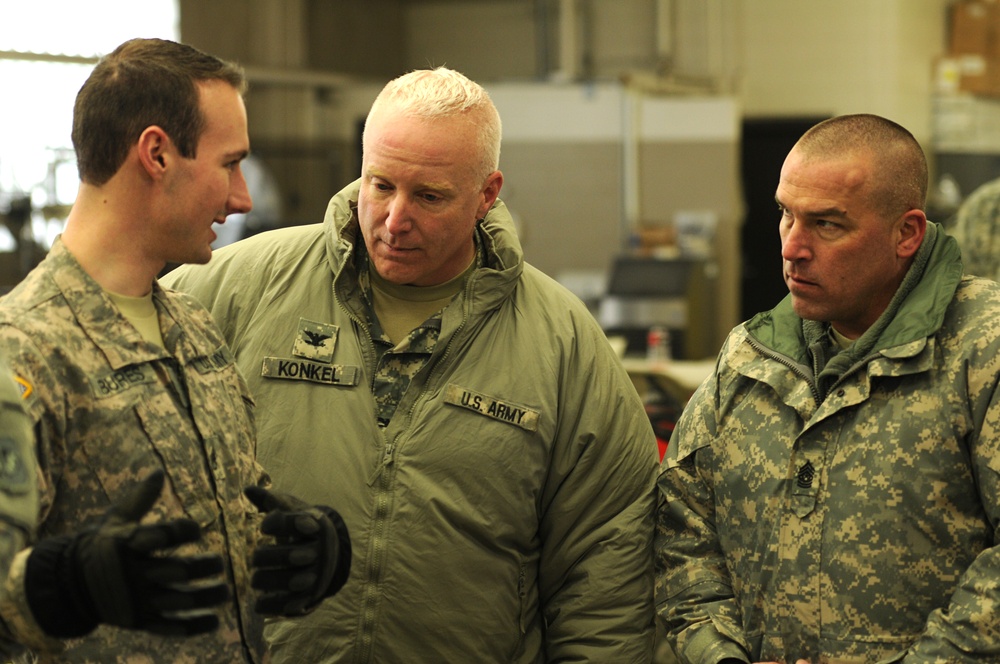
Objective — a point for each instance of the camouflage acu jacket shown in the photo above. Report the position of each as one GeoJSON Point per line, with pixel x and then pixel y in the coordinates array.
{"type": "Point", "coordinates": [843, 510]}
{"type": "Point", "coordinates": [109, 408]}
{"type": "Point", "coordinates": [976, 227]}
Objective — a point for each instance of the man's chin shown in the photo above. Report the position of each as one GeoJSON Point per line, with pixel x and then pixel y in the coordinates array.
{"type": "Point", "coordinates": [803, 308]}
{"type": "Point", "coordinates": [194, 257]}
{"type": "Point", "coordinates": [393, 272]}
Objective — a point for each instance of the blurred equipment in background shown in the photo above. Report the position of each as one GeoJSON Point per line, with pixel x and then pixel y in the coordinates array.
{"type": "Point", "coordinates": [33, 215]}
{"type": "Point", "coordinates": [24, 252]}
{"type": "Point", "coordinates": [643, 293]}
{"type": "Point", "coordinates": [663, 408]}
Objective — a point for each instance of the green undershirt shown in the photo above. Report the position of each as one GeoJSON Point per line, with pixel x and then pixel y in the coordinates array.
{"type": "Point", "coordinates": [141, 312]}
{"type": "Point", "coordinates": [400, 309]}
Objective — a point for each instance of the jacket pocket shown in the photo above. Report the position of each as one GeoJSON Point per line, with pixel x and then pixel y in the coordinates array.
{"type": "Point", "coordinates": [183, 459]}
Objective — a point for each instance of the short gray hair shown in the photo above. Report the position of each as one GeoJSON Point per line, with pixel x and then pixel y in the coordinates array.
{"type": "Point", "coordinates": [443, 92]}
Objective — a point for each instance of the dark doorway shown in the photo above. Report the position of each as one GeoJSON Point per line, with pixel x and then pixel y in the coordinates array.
{"type": "Point", "coordinates": [766, 143]}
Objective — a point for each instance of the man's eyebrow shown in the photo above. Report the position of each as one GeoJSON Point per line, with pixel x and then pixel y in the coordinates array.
{"type": "Point", "coordinates": [824, 212]}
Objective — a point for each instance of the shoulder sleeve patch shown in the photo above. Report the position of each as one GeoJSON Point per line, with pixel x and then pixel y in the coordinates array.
{"type": "Point", "coordinates": [15, 471]}
{"type": "Point", "coordinates": [23, 386]}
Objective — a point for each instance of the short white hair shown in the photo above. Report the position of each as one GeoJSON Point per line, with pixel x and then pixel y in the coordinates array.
{"type": "Point", "coordinates": [443, 92]}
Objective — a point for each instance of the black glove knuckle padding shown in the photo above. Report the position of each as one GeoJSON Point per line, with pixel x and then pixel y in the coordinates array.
{"type": "Point", "coordinates": [113, 573]}
{"type": "Point", "coordinates": [308, 562]}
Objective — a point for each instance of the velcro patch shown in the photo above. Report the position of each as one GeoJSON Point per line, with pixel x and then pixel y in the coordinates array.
{"type": "Point", "coordinates": [315, 341]}
{"type": "Point", "coordinates": [504, 411]}
{"type": "Point", "coordinates": [307, 370]}
{"type": "Point", "coordinates": [13, 467]}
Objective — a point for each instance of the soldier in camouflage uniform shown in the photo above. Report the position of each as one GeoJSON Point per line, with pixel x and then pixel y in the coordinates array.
{"type": "Point", "coordinates": [832, 491]}
{"type": "Point", "coordinates": [464, 412]}
{"type": "Point", "coordinates": [976, 228]}
{"type": "Point", "coordinates": [125, 380]}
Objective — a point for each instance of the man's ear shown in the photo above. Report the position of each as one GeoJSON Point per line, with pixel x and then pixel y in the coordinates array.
{"type": "Point", "coordinates": [912, 227]}
{"type": "Point", "coordinates": [490, 193]}
{"type": "Point", "coordinates": [153, 151]}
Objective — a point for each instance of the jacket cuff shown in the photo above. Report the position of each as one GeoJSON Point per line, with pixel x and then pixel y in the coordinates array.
{"type": "Point", "coordinates": [16, 612]}
{"type": "Point", "coordinates": [708, 645]}
{"type": "Point", "coordinates": [50, 583]}
{"type": "Point", "coordinates": [344, 550]}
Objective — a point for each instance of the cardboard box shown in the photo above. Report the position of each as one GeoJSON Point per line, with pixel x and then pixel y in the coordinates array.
{"type": "Point", "coordinates": [975, 28]}
{"type": "Point", "coordinates": [973, 74]}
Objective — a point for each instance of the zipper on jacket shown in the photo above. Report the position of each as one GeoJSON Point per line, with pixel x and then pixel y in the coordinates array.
{"type": "Point", "coordinates": [795, 367]}
{"type": "Point", "coordinates": [447, 349]}
{"type": "Point", "coordinates": [369, 599]}
{"type": "Point", "coordinates": [373, 582]}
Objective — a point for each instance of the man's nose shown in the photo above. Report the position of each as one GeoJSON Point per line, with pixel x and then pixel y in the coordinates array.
{"type": "Point", "coordinates": [239, 195]}
{"type": "Point", "coordinates": [794, 242]}
{"type": "Point", "coordinates": [399, 218]}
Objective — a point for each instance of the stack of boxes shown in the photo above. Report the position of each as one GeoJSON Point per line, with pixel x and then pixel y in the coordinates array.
{"type": "Point", "coordinates": [966, 104]}
{"type": "Point", "coordinates": [972, 64]}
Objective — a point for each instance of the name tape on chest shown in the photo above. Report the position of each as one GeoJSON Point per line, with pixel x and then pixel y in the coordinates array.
{"type": "Point", "coordinates": [110, 383]}
{"type": "Point", "coordinates": [217, 361]}
{"type": "Point", "coordinates": [504, 411]}
{"type": "Point", "coordinates": [115, 382]}
{"type": "Point", "coordinates": [307, 370]}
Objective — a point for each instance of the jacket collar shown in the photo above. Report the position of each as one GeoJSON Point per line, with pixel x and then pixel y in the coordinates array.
{"type": "Point", "coordinates": [102, 322]}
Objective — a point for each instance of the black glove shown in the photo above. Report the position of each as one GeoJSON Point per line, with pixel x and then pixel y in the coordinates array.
{"type": "Point", "coordinates": [310, 560]}
{"type": "Point", "coordinates": [108, 573]}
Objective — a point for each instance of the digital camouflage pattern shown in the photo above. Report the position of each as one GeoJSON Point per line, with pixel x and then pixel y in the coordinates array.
{"type": "Point", "coordinates": [18, 485]}
{"type": "Point", "coordinates": [110, 408]}
{"type": "Point", "coordinates": [976, 227]}
{"type": "Point", "coordinates": [843, 509]}
{"type": "Point", "coordinates": [18, 472]}
{"type": "Point", "coordinates": [396, 365]}
{"type": "Point", "coordinates": [504, 513]}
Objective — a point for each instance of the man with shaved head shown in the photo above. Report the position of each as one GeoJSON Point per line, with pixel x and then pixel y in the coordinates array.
{"type": "Point", "coordinates": [831, 492]}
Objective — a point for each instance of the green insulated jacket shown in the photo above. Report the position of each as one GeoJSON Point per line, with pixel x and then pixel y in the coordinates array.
{"type": "Point", "coordinates": [505, 514]}
{"type": "Point", "coordinates": [843, 509]}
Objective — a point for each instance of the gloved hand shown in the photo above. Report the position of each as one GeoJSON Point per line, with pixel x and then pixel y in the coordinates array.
{"type": "Point", "coordinates": [111, 573]}
{"type": "Point", "coordinates": [310, 560]}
